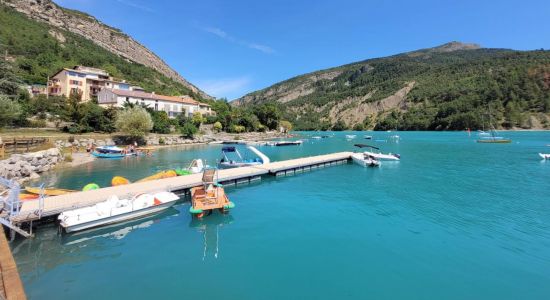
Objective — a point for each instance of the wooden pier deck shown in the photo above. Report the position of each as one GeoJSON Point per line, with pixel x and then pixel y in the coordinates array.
{"type": "Point", "coordinates": [11, 286]}
{"type": "Point", "coordinates": [57, 204]}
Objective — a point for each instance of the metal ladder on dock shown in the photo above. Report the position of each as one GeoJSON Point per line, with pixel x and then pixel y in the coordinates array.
{"type": "Point", "coordinates": [12, 204]}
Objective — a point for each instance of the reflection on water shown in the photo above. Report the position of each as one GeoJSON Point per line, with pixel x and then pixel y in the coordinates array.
{"type": "Point", "coordinates": [50, 248]}
{"type": "Point", "coordinates": [210, 229]}
{"type": "Point", "coordinates": [116, 231]}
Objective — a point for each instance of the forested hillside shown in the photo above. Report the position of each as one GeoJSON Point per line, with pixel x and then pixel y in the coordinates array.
{"type": "Point", "coordinates": [37, 50]}
{"type": "Point", "coordinates": [451, 87]}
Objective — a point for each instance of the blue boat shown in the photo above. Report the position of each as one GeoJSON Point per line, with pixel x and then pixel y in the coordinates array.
{"type": "Point", "coordinates": [110, 152]}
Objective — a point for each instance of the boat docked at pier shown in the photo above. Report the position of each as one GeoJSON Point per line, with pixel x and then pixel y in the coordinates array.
{"type": "Point", "coordinates": [209, 196]}
{"type": "Point", "coordinates": [115, 210]}
{"type": "Point", "coordinates": [379, 155]}
{"type": "Point", "coordinates": [365, 160]}
{"type": "Point", "coordinates": [232, 158]}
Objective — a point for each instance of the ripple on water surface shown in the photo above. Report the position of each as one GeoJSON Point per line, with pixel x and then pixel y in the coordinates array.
{"type": "Point", "coordinates": [454, 220]}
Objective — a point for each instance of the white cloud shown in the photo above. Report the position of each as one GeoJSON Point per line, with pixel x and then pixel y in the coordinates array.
{"type": "Point", "coordinates": [224, 35]}
{"type": "Point", "coordinates": [135, 5]}
{"type": "Point", "coordinates": [225, 87]}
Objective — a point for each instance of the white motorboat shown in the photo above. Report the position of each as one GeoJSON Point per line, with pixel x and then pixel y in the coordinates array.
{"type": "Point", "coordinates": [285, 143]}
{"type": "Point", "coordinates": [544, 155]}
{"type": "Point", "coordinates": [350, 136]}
{"type": "Point", "coordinates": [316, 137]}
{"type": "Point", "coordinates": [115, 210]}
{"type": "Point", "coordinates": [232, 158]}
{"type": "Point", "coordinates": [365, 160]}
{"type": "Point", "coordinates": [382, 156]}
{"type": "Point", "coordinates": [379, 156]}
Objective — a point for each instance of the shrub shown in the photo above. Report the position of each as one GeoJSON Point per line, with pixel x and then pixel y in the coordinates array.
{"type": "Point", "coordinates": [211, 119]}
{"type": "Point", "coordinates": [134, 122]}
{"type": "Point", "coordinates": [238, 128]}
{"type": "Point", "coordinates": [37, 123]}
{"type": "Point", "coordinates": [161, 140]}
{"type": "Point", "coordinates": [9, 111]}
{"type": "Point", "coordinates": [198, 119]}
{"type": "Point", "coordinates": [161, 122]}
{"type": "Point", "coordinates": [217, 126]}
{"type": "Point", "coordinates": [188, 130]}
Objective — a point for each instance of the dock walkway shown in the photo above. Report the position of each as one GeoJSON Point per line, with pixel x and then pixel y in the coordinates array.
{"type": "Point", "coordinates": [30, 210]}
{"type": "Point", "coordinates": [11, 286]}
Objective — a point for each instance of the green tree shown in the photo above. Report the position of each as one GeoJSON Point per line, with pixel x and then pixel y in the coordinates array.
{"type": "Point", "coordinates": [134, 122]}
{"type": "Point", "coordinates": [286, 125]}
{"type": "Point", "coordinates": [9, 83]}
{"type": "Point", "coordinates": [9, 110]}
{"type": "Point", "coordinates": [268, 114]}
{"type": "Point", "coordinates": [188, 130]}
{"type": "Point", "coordinates": [161, 121]}
{"type": "Point", "coordinates": [197, 119]}
{"type": "Point", "coordinates": [217, 126]}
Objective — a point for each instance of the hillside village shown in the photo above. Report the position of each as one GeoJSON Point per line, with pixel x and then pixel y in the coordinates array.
{"type": "Point", "coordinates": [89, 83]}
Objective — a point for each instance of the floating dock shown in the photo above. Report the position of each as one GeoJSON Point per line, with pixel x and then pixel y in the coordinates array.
{"type": "Point", "coordinates": [33, 210]}
{"type": "Point", "coordinates": [11, 286]}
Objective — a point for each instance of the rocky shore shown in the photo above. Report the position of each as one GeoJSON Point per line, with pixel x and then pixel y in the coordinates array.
{"type": "Point", "coordinates": [28, 166]}
{"type": "Point", "coordinates": [23, 167]}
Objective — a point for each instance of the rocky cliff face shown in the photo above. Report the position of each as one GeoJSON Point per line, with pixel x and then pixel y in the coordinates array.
{"type": "Point", "coordinates": [107, 37]}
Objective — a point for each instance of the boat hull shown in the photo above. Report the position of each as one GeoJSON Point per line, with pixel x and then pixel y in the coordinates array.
{"type": "Point", "coordinates": [544, 156]}
{"type": "Point", "coordinates": [119, 218]}
{"type": "Point", "coordinates": [497, 141]}
{"type": "Point", "coordinates": [385, 157]}
{"type": "Point", "coordinates": [358, 159]}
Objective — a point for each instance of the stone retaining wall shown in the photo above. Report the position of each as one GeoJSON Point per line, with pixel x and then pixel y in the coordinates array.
{"type": "Point", "coordinates": [30, 165]}
{"type": "Point", "coordinates": [150, 140]}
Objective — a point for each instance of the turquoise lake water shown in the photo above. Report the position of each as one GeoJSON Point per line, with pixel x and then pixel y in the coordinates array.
{"type": "Point", "coordinates": [452, 220]}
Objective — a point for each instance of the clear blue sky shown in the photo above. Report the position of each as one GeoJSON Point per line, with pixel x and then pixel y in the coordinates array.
{"type": "Point", "coordinates": [230, 48]}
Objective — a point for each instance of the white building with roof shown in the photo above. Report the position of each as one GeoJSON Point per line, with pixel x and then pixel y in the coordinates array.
{"type": "Point", "coordinates": [172, 105]}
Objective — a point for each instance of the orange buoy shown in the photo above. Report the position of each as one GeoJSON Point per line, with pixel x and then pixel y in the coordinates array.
{"type": "Point", "coordinates": [119, 180]}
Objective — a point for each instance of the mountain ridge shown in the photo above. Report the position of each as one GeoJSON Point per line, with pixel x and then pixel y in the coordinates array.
{"type": "Point", "coordinates": [105, 36]}
{"type": "Point", "coordinates": [440, 88]}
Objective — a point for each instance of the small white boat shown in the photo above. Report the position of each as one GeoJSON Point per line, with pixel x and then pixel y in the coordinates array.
{"type": "Point", "coordinates": [379, 156]}
{"type": "Point", "coordinates": [115, 210]}
{"type": "Point", "coordinates": [365, 160]}
{"type": "Point", "coordinates": [316, 137]}
{"type": "Point", "coordinates": [544, 155]}
{"type": "Point", "coordinates": [382, 156]}
{"type": "Point", "coordinates": [285, 143]}
{"type": "Point", "coordinates": [350, 136]}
